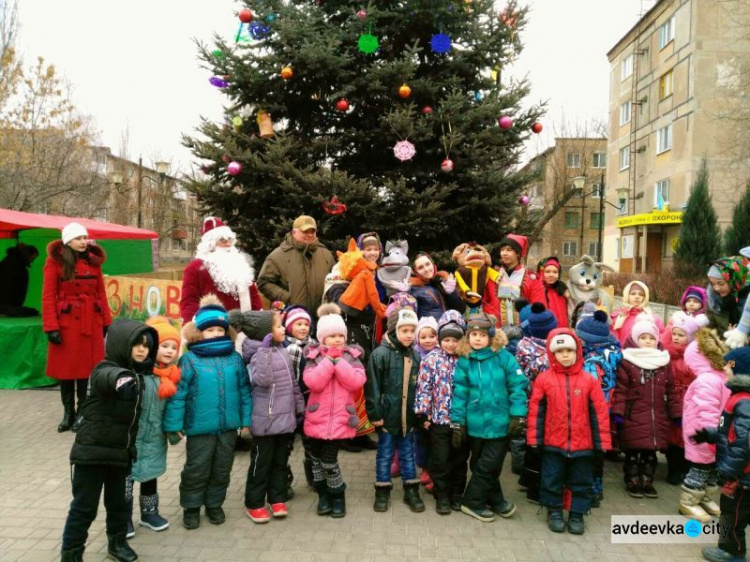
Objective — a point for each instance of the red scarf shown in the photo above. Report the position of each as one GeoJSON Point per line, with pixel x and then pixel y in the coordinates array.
{"type": "Point", "coordinates": [170, 376]}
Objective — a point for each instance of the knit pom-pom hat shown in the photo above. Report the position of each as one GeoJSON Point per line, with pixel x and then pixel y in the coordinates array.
{"type": "Point", "coordinates": [330, 322]}
{"type": "Point", "coordinates": [594, 328]}
{"type": "Point", "coordinates": [164, 328]}
{"type": "Point", "coordinates": [541, 321]}
{"type": "Point", "coordinates": [255, 324]}
{"type": "Point", "coordinates": [211, 313]}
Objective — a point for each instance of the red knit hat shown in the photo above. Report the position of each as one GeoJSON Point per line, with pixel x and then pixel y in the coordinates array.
{"type": "Point", "coordinates": [519, 243]}
{"type": "Point", "coordinates": [552, 260]}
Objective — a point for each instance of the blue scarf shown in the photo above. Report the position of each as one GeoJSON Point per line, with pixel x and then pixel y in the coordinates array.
{"type": "Point", "coordinates": [223, 345]}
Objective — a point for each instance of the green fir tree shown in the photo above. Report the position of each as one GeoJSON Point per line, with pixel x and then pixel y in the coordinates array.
{"type": "Point", "coordinates": [700, 236]}
{"type": "Point", "coordinates": [737, 235]}
{"type": "Point", "coordinates": [339, 116]}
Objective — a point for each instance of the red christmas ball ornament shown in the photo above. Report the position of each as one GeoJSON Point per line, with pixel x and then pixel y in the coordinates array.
{"type": "Point", "coordinates": [342, 105]}
{"type": "Point", "coordinates": [537, 127]}
{"type": "Point", "coordinates": [505, 122]}
{"type": "Point", "coordinates": [426, 110]}
{"type": "Point", "coordinates": [246, 16]}
{"type": "Point", "coordinates": [287, 72]}
{"type": "Point", "coordinates": [524, 200]}
{"type": "Point", "coordinates": [362, 15]}
{"type": "Point", "coordinates": [404, 91]}
{"type": "Point", "coordinates": [447, 165]}
{"type": "Point", "coordinates": [234, 168]}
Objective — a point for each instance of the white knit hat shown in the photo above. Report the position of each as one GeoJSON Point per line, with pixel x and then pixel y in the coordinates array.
{"type": "Point", "coordinates": [73, 230]}
{"type": "Point", "coordinates": [406, 317]}
{"type": "Point", "coordinates": [330, 322]}
{"type": "Point", "coordinates": [562, 341]}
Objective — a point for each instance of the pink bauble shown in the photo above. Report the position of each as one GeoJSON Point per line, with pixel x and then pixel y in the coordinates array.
{"type": "Point", "coordinates": [505, 122]}
{"type": "Point", "coordinates": [537, 127]}
{"type": "Point", "coordinates": [447, 165]}
{"type": "Point", "coordinates": [362, 15]}
{"type": "Point", "coordinates": [523, 200]}
{"type": "Point", "coordinates": [234, 168]}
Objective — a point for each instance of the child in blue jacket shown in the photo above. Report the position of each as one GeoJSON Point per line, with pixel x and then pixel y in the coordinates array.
{"type": "Point", "coordinates": [212, 401]}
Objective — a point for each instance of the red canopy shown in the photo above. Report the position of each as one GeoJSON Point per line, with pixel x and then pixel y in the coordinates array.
{"type": "Point", "coordinates": [12, 221]}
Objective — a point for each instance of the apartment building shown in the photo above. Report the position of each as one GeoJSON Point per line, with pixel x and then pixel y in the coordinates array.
{"type": "Point", "coordinates": [678, 81]}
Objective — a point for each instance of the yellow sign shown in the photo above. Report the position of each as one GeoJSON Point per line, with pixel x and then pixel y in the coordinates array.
{"type": "Point", "coordinates": [657, 217]}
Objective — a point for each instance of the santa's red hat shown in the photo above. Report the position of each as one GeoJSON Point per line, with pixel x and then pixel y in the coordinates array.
{"type": "Point", "coordinates": [214, 229]}
{"type": "Point", "coordinates": [519, 243]}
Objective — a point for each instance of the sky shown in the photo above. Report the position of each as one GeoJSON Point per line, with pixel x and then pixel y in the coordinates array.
{"type": "Point", "coordinates": [133, 65]}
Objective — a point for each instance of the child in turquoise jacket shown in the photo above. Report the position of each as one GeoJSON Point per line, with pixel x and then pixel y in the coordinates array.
{"type": "Point", "coordinates": [489, 404]}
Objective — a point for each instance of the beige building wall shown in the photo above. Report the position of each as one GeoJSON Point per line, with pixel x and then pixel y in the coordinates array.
{"type": "Point", "coordinates": [695, 84]}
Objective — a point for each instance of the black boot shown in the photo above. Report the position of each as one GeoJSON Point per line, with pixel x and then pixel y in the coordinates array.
{"type": "Point", "coordinates": [443, 506]}
{"type": "Point", "coordinates": [307, 465]}
{"type": "Point", "coordinates": [81, 389]}
{"type": "Point", "coordinates": [555, 521]}
{"type": "Point", "coordinates": [119, 549]}
{"type": "Point", "coordinates": [338, 505]}
{"type": "Point", "coordinates": [633, 479]}
{"type": "Point", "coordinates": [324, 500]}
{"type": "Point", "coordinates": [382, 497]}
{"type": "Point", "coordinates": [72, 555]}
{"type": "Point", "coordinates": [675, 462]}
{"type": "Point", "coordinates": [412, 499]}
{"type": "Point", "coordinates": [575, 523]}
{"type": "Point", "coordinates": [67, 394]}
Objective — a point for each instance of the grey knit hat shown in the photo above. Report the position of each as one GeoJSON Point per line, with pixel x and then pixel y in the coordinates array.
{"type": "Point", "coordinates": [255, 324]}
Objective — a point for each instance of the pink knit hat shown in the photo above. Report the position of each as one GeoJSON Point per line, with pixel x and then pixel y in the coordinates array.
{"type": "Point", "coordinates": [644, 324]}
{"type": "Point", "coordinates": [294, 315]}
{"type": "Point", "coordinates": [689, 324]}
{"type": "Point", "coordinates": [330, 322]}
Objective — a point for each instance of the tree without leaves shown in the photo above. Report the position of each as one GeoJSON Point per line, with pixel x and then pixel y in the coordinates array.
{"type": "Point", "coordinates": [700, 237]}
{"type": "Point", "coordinates": [737, 235]}
{"type": "Point", "coordinates": [319, 152]}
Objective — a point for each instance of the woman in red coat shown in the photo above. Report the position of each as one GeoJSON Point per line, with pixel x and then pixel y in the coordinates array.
{"type": "Point", "coordinates": [554, 290]}
{"type": "Point", "coordinates": [75, 315]}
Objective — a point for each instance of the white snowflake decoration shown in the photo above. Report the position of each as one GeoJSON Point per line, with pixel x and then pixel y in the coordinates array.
{"type": "Point", "coordinates": [404, 150]}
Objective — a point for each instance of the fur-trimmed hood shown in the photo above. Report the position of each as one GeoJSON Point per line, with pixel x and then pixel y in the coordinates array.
{"type": "Point", "coordinates": [191, 334]}
{"type": "Point", "coordinates": [94, 254]}
{"type": "Point", "coordinates": [739, 383]}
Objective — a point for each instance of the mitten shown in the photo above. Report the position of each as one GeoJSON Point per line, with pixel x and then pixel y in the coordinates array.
{"type": "Point", "coordinates": [334, 353]}
{"type": "Point", "coordinates": [127, 387]}
{"type": "Point", "coordinates": [618, 419]}
{"type": "Point", "coordinates": [705, 435]}
{"type": "Point", "coordinates": [735, 338]}
{"type": "Point", "coordinates": [174, 438]}
{"type": "Point", "coordinates": [516, 426]}
{"type": "Point", "coordinates": [268, 340]}
{"type": "Point", "coordinates": [457, 438]}
{"type": "Point", "coordinates": [54, 337]}
{"type": "Point", "coordinates": [449, 284]}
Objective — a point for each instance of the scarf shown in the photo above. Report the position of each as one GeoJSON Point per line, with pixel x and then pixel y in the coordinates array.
{"type": "Point", "coordinates": [215, 347]}
{"type": "Point", "coordinates": [509, 290]}
{"type": "Point", "coordinates": [169, 376]}
{"type": "Point", "coordinates": [294, 348]}
{"type": "Point", "coordinates": [627, 307]}
{"type": "Point", "coordinates": [734, 271]}
{"type": "Point", "coordinates": [646, 357]}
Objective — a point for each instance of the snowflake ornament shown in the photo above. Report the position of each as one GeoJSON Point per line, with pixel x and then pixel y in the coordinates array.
{"type": "Point", "coordinates": [404, 150]}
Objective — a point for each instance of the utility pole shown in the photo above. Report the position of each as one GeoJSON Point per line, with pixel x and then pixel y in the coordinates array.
{"type": "Point", "coordinates": [140, 191]}
{"type": "Point", "coordinates": [583, 219]}
{"type": "Point", "coordinates": [601, 218]}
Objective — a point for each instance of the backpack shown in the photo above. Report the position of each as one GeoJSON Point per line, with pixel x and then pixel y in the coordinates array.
{"type": "Point", "coordinates": [602, 364]}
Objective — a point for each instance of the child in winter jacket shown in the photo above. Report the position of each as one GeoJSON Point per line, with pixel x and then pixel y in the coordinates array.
{"type": "Point", "coordinates": [212, 402]}
{"type": "Point", "coordinates": [426, 342]}
{"type": "Point", "coordinates": [693, 301]}
{"type": "Point", "coordinates": [427, 336]}
{"type": "Point", "coordinates": [681, 330]}
{"type": "Point", "coordinates": [645, 401]}
{"type": "Point", "coordinates": [104, 446]}
{"type": "Point", "coordinates": [277, 405]}
{"type": "Point", "coordinates": [704, 402]}
{"type": "Point", "coordinates": [151, 443]}
{"type": "Point", "coordinates": [635, 302]}
{"type": "Point", "coordinates": [733, 459]}
{"type": "Point", "coordinates": [393, 370]}
{"type": "Point", "coordinates": [489, 404]}
{"type": "Point", "coordinates": [602, 356]}
{"type": "Point", "coordinates": [532, 358]}
{"type": "Point", "coordinates": [569, 423]}
{"type": "Point", "coordinates": [432, 406]}
{"type": "Point", "coordinates": [556, 293]}
{"type": "Point", "coordinates": [335, 376]}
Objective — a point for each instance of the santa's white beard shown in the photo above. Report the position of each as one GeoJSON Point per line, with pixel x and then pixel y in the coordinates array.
{"type": "Point", "coordinates": [230, 269]}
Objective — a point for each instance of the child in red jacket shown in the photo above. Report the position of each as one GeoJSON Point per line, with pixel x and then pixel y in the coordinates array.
{"type": "Point", "coordinates": [555, 291]}
{"type": "Point", "coordinates": [561, 424]}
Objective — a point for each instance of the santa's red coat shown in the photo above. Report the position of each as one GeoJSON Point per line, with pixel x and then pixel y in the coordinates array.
{"type": "Point", "coordinates": [197, 283]}
{"type": "Point", "coordinates": [77, 309]}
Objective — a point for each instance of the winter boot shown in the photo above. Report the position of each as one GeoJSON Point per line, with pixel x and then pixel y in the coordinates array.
{"type": "Point", "coordinates": [119, 549]}
{"type": "Point", "coordinates": [708, 504]}
{"type": "Point", "coordinates": [72, 555]}
{"type": "Point", "coordinates": [575, 523]}
{"type": "Point", "coordinates": [67, 394]}
{"type": "Point", "coordinates": [307, 465]}
{"type": "Point", "coordinates": [443, 506]}
{"type": "Point", "coordinates": [324, 500]}
{"type": "Point", "coordinates": [505, 509]}
{"type": "Point", "coordinates": [338, 505]}
{"type": "Point", "coordinates": [382, 497]}
{"type": "Point", "coordinates": [216, 515]}
{"type": "Point", "coordinates": [690, 504]}
{"type": "Point", "coordinates": [647, 481]}
{"type": "Point", "coordinates": [150, 514]}
{"type": "Point", "coordinates": [633, 480]}
{"type": "Point", "coordinates": [675, 462]}
{"type": "Point", "coordinates": [555, 520]}
{"type": "Point", "coordinates": [191, 518]}
{"type": "Point", "coordinates": [716, 554]}
{"type": "Point", "coordinates": [81, 389]}
{"type": "Point", "coordinates": [412, 499]}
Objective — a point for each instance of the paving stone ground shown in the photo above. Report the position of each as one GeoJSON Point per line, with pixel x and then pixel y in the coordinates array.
{"type": "Point", "coordinates": [35, 494]}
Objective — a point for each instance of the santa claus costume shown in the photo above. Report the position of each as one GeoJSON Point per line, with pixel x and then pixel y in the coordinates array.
{"type": "Point", "coordinates": [221, 269]}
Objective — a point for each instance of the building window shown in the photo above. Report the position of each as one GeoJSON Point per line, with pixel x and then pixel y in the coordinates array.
{"type": "Point", "coordinates": [596, 191]}
{"type": "Point", "coordinates": [570, 249]}
{"type": "Point", "coordinates": [573, 160]}
{"type": "Point", "coordinates": [622, 207]}
{"type": "Point", "coordinates": [626, 67]}
{"type": "Point", "coordinates": [666, 85]}
{"type": "Point", "coordinates": [661, 193]}
{"type": "Point", "coordinates": [594, 249]}
{"type": "Point", "coordinates": [666, 33]}
{"type": "Point", "coordinates": [595, 222]}
{"type": "Point", "coordinates": [664, 139]}
{"type": "Point", "coordinates": [624, 158]}
{"type": "Point", "coordinates": [625, 112]}
{"type": "Point", "coordinates": [572, 220]}
{"type": "Point", "coordinates": [600, 159]}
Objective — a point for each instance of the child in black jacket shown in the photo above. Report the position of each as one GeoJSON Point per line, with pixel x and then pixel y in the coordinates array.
{"type": "Point", "coordinates": [104, 448]}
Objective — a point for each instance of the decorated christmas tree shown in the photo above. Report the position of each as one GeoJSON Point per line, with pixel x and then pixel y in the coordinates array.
{"type": "Point", "coordinates": [737, 235]}
{"type": "Point", "coordinates": [398, 117]}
